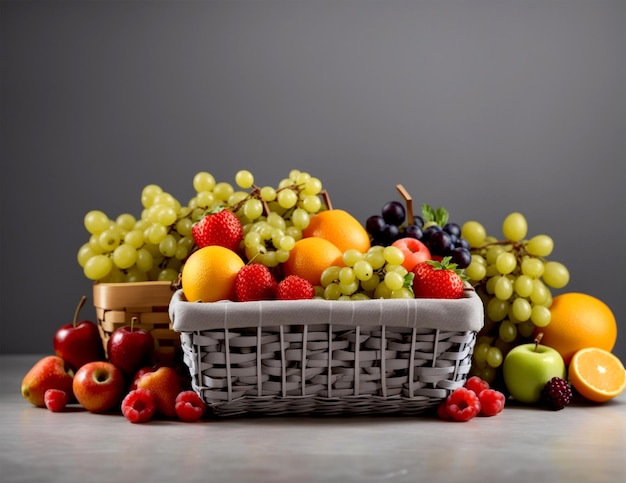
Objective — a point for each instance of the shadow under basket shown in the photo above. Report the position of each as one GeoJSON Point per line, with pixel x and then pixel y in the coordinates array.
{"type": "Point", "coordinates": [327, 357]}
{"type": "Point", "coordinates": [117, 304]}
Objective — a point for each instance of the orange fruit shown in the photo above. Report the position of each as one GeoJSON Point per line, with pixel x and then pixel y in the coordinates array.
{"type": "Point", "coordinates": [209, 274]}
{"type": "Point", "coordinates": [340, 228]}
{"type": "Point", "coordinates": [579, 321]}
{"type": "Point", "coordinates": [310, 257]}
{"type": "Point", "coordinates": [596, 374]}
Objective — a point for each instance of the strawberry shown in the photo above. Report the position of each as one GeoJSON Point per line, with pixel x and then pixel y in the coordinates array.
{"type": "Point", "coordinates": [221, 228]}
{"type": "Point", "coordinates": [254, 282]}
{"type": "Point", "coordinates": [294, 287]}
{"type": "Point", "coordinates": [438, 279]}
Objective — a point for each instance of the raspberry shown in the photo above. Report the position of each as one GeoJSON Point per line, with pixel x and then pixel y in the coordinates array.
{"type": "Point", "coordinates": [442, 412]}
{"type": "Point", "coordinates": [189, 406]}
{"type": "Point", "coordinates": [55, 400]}
{"type": "Point", "coordinates": [491, 402]}
{"type": "Point", "coordinates": [476, 384]}
{"type": "Point", "coordinates": [462, 404]}
{"type": "Point", "coordinates": [556, 394]}
{"type": "Point", "coordinates": [139, 405]}
{"type": "Point", "coordinates": [294, 287]}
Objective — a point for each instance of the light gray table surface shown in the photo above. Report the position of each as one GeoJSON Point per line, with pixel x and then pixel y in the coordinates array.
{"type": "Point", "coordinates": [581, 443]}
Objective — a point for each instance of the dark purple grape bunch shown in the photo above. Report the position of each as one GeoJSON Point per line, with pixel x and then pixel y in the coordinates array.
{"type": "Point", "coordinates": [432, 228]}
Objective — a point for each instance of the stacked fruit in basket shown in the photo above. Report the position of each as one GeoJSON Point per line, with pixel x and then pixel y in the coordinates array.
{"type": "Point", "coordinates": [245, 242]}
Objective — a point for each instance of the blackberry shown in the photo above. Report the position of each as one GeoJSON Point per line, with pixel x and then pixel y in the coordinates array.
{"type": "Point", "coordinates": [556, 394]}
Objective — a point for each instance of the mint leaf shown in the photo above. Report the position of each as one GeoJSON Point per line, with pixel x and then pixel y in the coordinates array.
{"type": "Point", "coordinates": [437, 216]}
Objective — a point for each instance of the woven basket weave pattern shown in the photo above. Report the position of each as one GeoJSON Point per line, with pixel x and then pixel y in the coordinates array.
{"type": "Point", "coordinates": [326, 369]}
{"type": "Point", "coordinates": [117, 304]}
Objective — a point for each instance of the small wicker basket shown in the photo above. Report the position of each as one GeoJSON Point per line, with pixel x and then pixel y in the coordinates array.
{"type": "Point", "coordinates": [327, 357]}
{"type": "Point", "coordinates": [117, 304]}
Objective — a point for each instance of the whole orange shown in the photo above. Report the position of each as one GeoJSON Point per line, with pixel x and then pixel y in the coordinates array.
{"type": "Point", "coordinates": [340, 228]}
{"type": "Point", "coordinates": [209, 274]}
{"type": "Point", "coordinates": [310, 257]}
{"type": "Point", "coordinates": [579, 321]}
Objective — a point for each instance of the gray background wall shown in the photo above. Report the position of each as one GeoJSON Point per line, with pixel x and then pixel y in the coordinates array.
{"type": "Point", "coordinates": [484, 107]}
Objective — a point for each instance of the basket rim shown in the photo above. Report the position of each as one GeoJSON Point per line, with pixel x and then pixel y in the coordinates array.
{"type": "Point", "coordinates": [464, 314]}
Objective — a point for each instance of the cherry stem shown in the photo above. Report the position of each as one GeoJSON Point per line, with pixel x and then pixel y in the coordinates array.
{"type": "Point", "coordinates": [538, 340]}
{"type": "Point", "coordinates": [83, 299]}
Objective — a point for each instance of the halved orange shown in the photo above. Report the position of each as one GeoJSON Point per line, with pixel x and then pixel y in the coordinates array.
{"type": "Point", "coordinates": [597, 374]}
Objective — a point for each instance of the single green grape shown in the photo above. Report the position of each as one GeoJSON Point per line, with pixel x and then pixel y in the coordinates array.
{"type": "Point", "coordinates": [555, 274]}
{"type": "Point", "coordinates": [267, 193]}
{"type": "Point", "coordinates": [521, 309]}
{"type": "Point", "coordinates": [332, 291]}
{"type": "Point", "coordinates": [476, 271]}
{"type": "Point", "coordinates": [514, 227]}
{"type": "Point", "coordinates": [203, 181]}
{"type": "Point", "coordinates": [96, 222]}
{"type": "Point", "coordinates": [98, 267]}
{"type": "Point", "coordinates": [494, 357]}
{"type": "Point", "coordinates": [375, 258]}
{"type": "Point", "coordinates": [540, 316]}
{"type": "Point", "coordinates": [524, 286]}
{"type": "Point", "coordinates": [300, 218]}
{"type": "Point", "coordinates": [109, 239]}
{"type": "Point", "coordinates": [312, 186]}
{"type": "Point", "coordinates": [311, 203]}
{"type": "Point", "coordinates": [474, 233]}
{"type": "Point", "coordinates": [126, 221]}
{"type": "Point", "coordinates": [503, 288]}
{"type": "Point", "coordinates": [393, 255]}
{"type": "Point", "coordinates": [394, 280]}
{"type": "Point", "coordinates": [205, 199]}
{"type": "Point", "coordinates": [222, 191]}
{"type": "Point", "coordinates": [148, 194]}
{"type": "Point", "coordinates": [540, 245]}
{"type": "Point", "coordinates": [156, 233]}
{"type": "Point", "coordinates": [124, 256]}
{"type": "Point", "coordinates": [85, 253]}
{"type": "Point", "coordinates": [184, 226]}
{"type": "Point", "coordinates": [145, 260]}
{"type": "Point", "coordinates": [533, 267]}
{"type": "Point", "coordinates": [506, 263]}
{"type": "Point", "coordinates": [363, 270]}
{"type": "Point", "coordinates": [402, 293]}
{"type": "Point", "coordinates": [244, 179]}
{"type": "Point", "coordinates": [252, 209]}
{"type": "Point", "coordinates": [507, 331]}
{"type": "Point", "coordinates": [287, 198]}
{"type": "Point", "coordinates": [168, 246]}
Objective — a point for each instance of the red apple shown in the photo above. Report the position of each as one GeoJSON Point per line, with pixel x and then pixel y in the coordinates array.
{"type": "Point", "coordinates": [130, 348]}
{"type": "Point", "coordinates": [50, 372]}
{"type": "Point", "coordinates": [414, 252]}
{"type": "Point", "coordinates": [99, 386]}
{"type": "Point", "coordinates": [79, 342]}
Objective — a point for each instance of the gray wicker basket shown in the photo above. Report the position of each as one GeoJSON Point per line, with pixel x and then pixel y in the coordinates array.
{"type": "Point", "coordinates": [327, 357]}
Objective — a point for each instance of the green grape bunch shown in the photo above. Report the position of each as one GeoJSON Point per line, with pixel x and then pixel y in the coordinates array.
{"type": "Point", "coordinates": [155, 245]}
{"type": "Point", "coordinates": [514, 278]}
{"type": "Point", "coordinates": [377, 273]}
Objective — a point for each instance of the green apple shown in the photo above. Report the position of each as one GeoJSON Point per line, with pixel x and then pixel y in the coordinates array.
{"type": "Point", "coordinates": [528, 367]}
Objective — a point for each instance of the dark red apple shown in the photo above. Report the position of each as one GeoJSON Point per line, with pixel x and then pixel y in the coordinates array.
{"type": "Point", "coordinates": [130, 348]}
{"type": "Point", "coordinates": [414, 252]}
{"type": "Point", "coordinates": [79, 342]}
